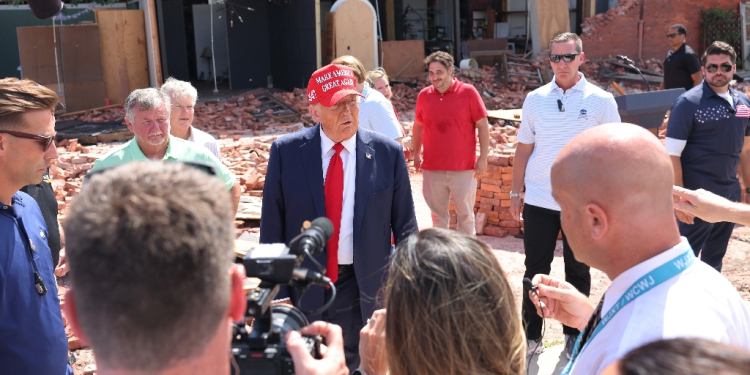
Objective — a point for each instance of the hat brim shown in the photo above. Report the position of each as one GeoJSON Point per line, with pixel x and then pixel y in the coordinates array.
{"type": "Point", "coordinates": [335, 98]}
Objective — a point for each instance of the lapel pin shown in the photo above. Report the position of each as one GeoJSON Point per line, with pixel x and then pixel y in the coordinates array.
{"type": "Point", "coordinates": [367, 155]}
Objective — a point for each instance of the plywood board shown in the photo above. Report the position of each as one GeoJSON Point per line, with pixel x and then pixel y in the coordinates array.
{"type": "Point", "coordinates": [355, 31]}
{"type": "Point", "coordinates": [37, 54]}
{"type": "Point", "coordinates": [553, 18]}
{"type": "Point", "coordinates": [82, 67]}
{"type": "Point", "coordinates": [496, 44]}
{"type": "Point", "coordinates": [329, 53]}
{"type": "Point", "coordinates": [123, 49]}
{"type": "Point", "coordinates": [398, 54]}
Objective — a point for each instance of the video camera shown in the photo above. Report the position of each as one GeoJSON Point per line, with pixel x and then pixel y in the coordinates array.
{"type": "Point", "coordinates": [263, 350]}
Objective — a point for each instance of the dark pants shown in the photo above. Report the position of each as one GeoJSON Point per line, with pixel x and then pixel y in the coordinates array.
{"type": "Point", "coordinates": [346, 313]}
{"type": "Point", "coordinates": [541, 227]}
{"type": "Point", "coordinates": [710, 239]}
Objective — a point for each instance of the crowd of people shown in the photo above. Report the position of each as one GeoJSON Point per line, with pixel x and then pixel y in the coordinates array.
{"type": "Point", "coordinates": [149, 244]}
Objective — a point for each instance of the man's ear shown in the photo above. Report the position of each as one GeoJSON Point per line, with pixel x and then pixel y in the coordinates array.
{"type": "Point", "coordinates": [238, 301]}
{"type": "Point", "coordinates": [72, 316]}
{"type": "Point", "coordinates": [597, 220]}
{"type": "Point", "coordinates": [313, 108]}
{"type": "Point", "coordinates": [129, 125]}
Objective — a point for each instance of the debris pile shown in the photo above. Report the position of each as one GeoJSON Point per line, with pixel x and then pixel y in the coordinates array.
{"type": "Point", "coordinates": [590, 24]}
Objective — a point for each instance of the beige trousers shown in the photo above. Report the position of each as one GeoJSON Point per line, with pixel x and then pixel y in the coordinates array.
{"type": "Point", "coordinates": [439, 186]}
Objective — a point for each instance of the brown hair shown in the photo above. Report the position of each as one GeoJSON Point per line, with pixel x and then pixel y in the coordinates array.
{"type": "Point", "coordinates": [685, 357]}
{"type": "Point", "coordinates": [20, 96]}
{"type": "Point", "coordinates": [719, 48]}
{"type": "Point", "coordinates": [442, 57]}
{"type": "Point", "coordinates": [565, 37]}
{"type": "Point", "coordinates": [450, 309]}
{"type": "Point", "coordinates": [352, 63]}
{"type": "Point", "coordinates": [149, 246]}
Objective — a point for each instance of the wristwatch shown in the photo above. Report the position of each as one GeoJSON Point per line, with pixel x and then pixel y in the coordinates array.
{"type": "Point", "coordinates": [515, 195]}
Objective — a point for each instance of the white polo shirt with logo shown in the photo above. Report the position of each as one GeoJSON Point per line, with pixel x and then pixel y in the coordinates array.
{"type": "Point", "coordinates": [550, 128]}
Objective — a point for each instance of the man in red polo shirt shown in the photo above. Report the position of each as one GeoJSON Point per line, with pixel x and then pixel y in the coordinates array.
{"type": "Point", "coordinates": [450, 113]}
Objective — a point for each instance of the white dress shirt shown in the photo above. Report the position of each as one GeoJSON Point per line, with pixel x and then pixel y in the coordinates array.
{"type": "Point", "coordinates": [207, 140]}
{"type": "Point", "coordinates": [349, 159]}
{"type": "Point", "coordinates": [699, 302]}
{"type": "Point", "coordinates": [376, 114]}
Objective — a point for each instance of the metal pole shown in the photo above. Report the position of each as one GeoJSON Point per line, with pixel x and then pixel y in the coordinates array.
{"type": "Point", "coordinates": [57, 67]}
{"type": "Point", "coordinates": [213, 59]}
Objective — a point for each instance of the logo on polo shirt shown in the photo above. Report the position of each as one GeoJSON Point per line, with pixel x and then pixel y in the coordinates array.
{"type": "Point", "coordinates": [583, 114]}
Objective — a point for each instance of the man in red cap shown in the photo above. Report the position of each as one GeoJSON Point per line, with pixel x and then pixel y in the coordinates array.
{"type": "Point", "coordinates": [355, 177]}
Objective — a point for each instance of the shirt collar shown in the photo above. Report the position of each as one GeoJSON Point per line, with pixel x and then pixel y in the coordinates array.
{"type": "Point", "coordinates": [709, 92]}
{"type": "Point", "coordinates": [138, 155]}
{"type": "Point", "coordinates": [579, 86]}
{"type": "Point", "coordinates": [327, 144]}
{"type": "Point", "coordinates": [622, 282]}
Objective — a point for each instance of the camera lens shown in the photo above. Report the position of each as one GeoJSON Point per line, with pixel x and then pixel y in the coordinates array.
{"type": "Point", "coordinates": [287, 319]}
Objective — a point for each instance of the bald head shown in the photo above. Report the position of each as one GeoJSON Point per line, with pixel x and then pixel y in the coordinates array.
{"type": "Point", "coordinates": [615, 182]}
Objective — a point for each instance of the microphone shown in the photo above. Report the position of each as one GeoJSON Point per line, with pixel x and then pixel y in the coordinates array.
{"type": "Point", "coordinates": [304, 274]}
{"type": "Point", "coordinates": [560, 105]}
{"type": "Point", "coordinates": [528, 286]}
{"type": "Point", "coordinates": [313, 239]}
{"type": "Point", "coordinates": [732, 110]}
{"type": "Point", "coordinates": [44, 9]}
{"type": "Point", "coordinates": [625, 59]}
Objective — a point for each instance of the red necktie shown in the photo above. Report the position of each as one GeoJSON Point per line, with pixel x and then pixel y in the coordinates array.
{"type": "Point", "coordinates": [334, 190]}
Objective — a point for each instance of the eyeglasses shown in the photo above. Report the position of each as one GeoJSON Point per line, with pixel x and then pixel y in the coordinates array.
{"type": "Point", "coordinates": [567, 57]}
{"type": "Point", "coordinates": [670, 36]}
{"type": "Point", "coordinates": [712, 68]}
{"type": "Point", "coordinates": [44, 140]}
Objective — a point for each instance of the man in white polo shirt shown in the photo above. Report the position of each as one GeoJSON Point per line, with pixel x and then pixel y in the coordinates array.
{"type": "Point", "coordinates": [553, 115]}
{"type": "Point", "coordinates": [614, 187]}
{"type": "Point", "coordinates": [375, 111]}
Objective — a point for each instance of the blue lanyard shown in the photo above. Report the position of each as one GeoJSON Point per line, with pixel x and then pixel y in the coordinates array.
{"type": "Point", "coordinates": [659, 275]}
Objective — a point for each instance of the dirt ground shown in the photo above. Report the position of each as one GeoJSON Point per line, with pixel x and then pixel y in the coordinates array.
{"type": "Point", "coordinates": [510, 253]}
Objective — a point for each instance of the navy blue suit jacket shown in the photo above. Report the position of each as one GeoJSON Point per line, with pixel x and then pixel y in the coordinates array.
{"type": "Point", "coordinates": [294, 192]}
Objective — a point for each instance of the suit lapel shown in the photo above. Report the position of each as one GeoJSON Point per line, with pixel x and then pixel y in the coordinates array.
{"type": "Point", "coordinates": [313, 166]}
{"type": "Point", "coordinates": [364, 179]}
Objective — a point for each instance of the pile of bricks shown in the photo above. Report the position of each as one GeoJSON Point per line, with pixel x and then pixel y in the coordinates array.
{"type": "Point", "coordinates": [98, 115]}
{"type": "Point", "coordinates": [589, 25]}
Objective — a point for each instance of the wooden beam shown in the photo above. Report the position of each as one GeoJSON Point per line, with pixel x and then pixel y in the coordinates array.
{"type": "Point", "coordinates": [390, 20]}
{"type": "Point", "coordinates": [152, 43]}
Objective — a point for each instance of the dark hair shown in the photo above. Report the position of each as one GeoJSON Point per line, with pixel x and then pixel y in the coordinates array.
{"type": "Point", "coordinates": [565, 37]}
{"type": "Point", "coordinates": [450, 309]}
{"type": "Point", "coordinates": [18, 96]}
{"type": "Point", "coordinates": [719, 48]}
{"type": "Point", "coordinates": [442, 57]}
{"type": "Point", "coordinates": [685, 357]}
{"type": "Point", "coordinates": [680, 28]}
{"type": "Point", "coordinates": [150, 245]}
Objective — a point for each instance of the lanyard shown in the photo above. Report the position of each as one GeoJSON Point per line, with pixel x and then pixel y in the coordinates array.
{"type": "Point", "coordinates": [659, 275]}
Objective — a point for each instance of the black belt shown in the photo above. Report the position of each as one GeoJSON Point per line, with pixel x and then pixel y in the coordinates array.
{"type": "Point", "coordinates": [344, 268]}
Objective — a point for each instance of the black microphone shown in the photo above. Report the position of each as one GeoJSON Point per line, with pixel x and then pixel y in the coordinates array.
{"type": "Point", "coordinates": [625, 59]}
{"type": "Point", "coordinates": [560, 105]}
{"type": "Point", "coordinates": [313, 239]}
{"type": "Point", "coordinates": [44, 9]}
{"type": "Point", "coordinates": [732, 110]}
{"type": "Point", "coordinates": [527, 285]}
{"type": "Point", "coordinates": [304, 274]}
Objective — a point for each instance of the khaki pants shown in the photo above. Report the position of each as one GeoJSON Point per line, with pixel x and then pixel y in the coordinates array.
{"type": "Point", "coordinates": [439, 186]}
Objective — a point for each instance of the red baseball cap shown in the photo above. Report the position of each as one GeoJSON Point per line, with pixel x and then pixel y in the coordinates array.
{"type": "Point", "coordinates": [330, 84]}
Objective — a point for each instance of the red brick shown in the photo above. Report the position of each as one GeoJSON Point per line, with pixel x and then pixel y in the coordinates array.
{"type": "Point", "coordinates": [484, 206]}
{"type": "Point", "coordinates": [507, 177]}
{"type": "Point", "coordinates": [492, 221]}
{"type": "Point", "coordinates": [506, 170]}
{"type": "Point", "coordinates": [505, 188]}
{"type": "Point", "coordinates": [493, 188]}
{"type": "Point", "coordinates": [487, 194]}
{"type": "Point", "coordinates": [505, 217]}
{"type": "Point", "coordinates": [492, 230]}
{"type": "Point", "coordinates": [501, 210]}
{"type": "Point", "coordinates": [510, 224]}
{"type": "Point", "coordinates": [490, 181]}
{"type": "Point", "coordinates": [505, 203]}
{"type": "Point", "coordinates": [513, 231]}
{"type": "Point", "coordinates": [502, 195]}
{"type": "Point", "coordinates": [490, 214]}
{"type": "Point", "coordinates": [493, 202]}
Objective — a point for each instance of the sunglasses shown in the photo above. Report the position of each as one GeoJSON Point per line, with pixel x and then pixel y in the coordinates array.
{"type": "Point", "coordinates": [712, 68]}
{"type": "Point", "coordinates": [44, 140]}
{"type": "Point", "coordinates": [567, 57]}
{"type": "Point", "coordinates": [670, 36]}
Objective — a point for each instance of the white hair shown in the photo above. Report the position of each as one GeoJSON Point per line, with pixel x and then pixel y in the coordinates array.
{"type": "Point", "coordinates": [177, 89]}
{"type": "Point", "coordinates": [145, 100]}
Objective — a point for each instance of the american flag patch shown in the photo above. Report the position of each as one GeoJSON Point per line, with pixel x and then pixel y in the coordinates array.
{"type": "Point", "coordinates": [742, 111]}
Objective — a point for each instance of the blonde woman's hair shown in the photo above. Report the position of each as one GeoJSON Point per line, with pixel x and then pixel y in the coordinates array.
{"type": "Point", "coordinates": [377, 74]}
{"type": "Point", "coordinates": [450, 309]}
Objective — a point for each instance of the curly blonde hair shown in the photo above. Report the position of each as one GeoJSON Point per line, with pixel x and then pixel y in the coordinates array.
{"type": "Point", "coordinates": [450, 309]}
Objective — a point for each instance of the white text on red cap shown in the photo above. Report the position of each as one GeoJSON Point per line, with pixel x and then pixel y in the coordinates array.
{"type": "Point", "coordinates": [335, 73]}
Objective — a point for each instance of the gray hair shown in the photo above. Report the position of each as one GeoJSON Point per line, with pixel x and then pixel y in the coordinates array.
{"type": "Point", "coordinates": [149, 246]}
{"type": "Point", "coordinates": [145, 100]}
{"type": "Point", "coordinates": [177, 89]}
{"type": "Point", "coordinates": [565, 37]}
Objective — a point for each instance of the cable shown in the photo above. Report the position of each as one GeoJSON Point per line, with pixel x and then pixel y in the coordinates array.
{"type": "Point", "coordinates": [320, 267]}
{"type": "Point", "coordinates": [544, 330]}
{"type": "Point", "coordinates": [325, 307]}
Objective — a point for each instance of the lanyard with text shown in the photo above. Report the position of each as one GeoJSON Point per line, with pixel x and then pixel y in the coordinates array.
{"type": "Point", "coordinates": [659, 275]}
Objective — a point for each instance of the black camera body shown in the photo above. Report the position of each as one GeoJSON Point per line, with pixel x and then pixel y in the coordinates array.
{"type": "Point", "coordinates": [262, 351]}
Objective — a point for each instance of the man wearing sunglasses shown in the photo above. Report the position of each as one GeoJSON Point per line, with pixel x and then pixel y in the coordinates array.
{"type": "Point", "coordinates": [32, 334]}
{"type": "Point", "coordinates": [552, 116]}
{"type": "Point", "coordinates": [707, 138]}
{"type": "Point", "coordinates": [682, 68]}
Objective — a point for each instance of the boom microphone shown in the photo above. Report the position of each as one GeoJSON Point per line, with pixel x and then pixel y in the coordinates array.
{"type": "Point", "coordinates": [625, 59]}
{"type": "Point", "coordinates": [44, 9]}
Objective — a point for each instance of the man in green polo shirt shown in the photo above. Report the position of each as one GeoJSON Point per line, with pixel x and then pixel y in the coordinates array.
{"type": "Point", "coordinates": [147, 116]}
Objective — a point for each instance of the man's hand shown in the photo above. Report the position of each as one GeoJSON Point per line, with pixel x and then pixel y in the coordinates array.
{"type": "Point", "coordinates": [701, 203]}
{"type": "Point", "coordinates": [417, 161]}
{"type": "Point", "coordinates": [333, 361]}
{"type": "Point", "coordinates": [62, 265]}
{"type": "Point", "coordinates": [561, 301]}
{"type": "Point", "coordinates": [684, 217]}
{"type": "Point", "coordinates": [515, 208]}
{"type": "Point", "coordinates": [371, 345]}
{"type": "Point", "coordinates": [480, 167]}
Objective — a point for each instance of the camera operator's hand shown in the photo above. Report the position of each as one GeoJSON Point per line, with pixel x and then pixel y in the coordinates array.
{"type": "Point", "coordinates": [373, 360]}
{"type": "Point", "coordinates": [333, 361]}
{"type": "Point", "coordinates": [561, 301]}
